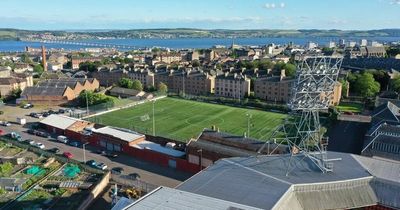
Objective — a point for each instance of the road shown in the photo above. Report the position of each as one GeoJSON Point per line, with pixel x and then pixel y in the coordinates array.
{"type": "Point", "coordinates": [149, 172]}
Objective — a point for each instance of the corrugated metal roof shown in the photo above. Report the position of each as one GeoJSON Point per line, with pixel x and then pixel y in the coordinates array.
{"type": "Point", "coordinates": [262, 182]}
{"type": "Point", "coordinates": [158, 148]}
{"type": "Point", "coordinates": [168, 198]}
{"type": "Point", "coordinates": [123, 134]}
{"type": "Point", "coordinates": [59, 121]}
{"type": "Point", "coordinates": [383, 169]}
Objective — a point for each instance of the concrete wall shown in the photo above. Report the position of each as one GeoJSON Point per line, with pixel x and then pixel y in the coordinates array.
{"type": "Point", "coordinates": [95, 191]}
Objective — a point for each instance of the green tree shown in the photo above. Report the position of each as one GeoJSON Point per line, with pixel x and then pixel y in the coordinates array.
{"type": "Point", "coordinates": [380, 76]}
{"type": "Point", "coordinates": [162, 88]}
{"type": "Point", "coordinates": [290, 70]}
{"type": "Point", "coordinates": [366, 86]}
{"type": "Point", "coordinates": [125, 83]}
{"type": "Point", "coordinates": [25, 58]}
{"type": "Point", "coordinates": [38, 68]}
{"type": "Point", "coordinates": [90, 66]}
{"type": "Point", "coordinates": [137, 85]}
{"type": "Point", "coordinates": [93, 98]}
{"type": "Point", "coordinates": [395, 84]}
{"type": "Point", "coordinates": [345, 86]}
{"type": "Point", "coordinates": [5, 169]}
{"type": "Point", "coordinates": [195, 63]}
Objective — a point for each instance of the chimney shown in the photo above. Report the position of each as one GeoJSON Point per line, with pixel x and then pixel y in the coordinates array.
{"type": "Point", "coordinates": [44, 62]}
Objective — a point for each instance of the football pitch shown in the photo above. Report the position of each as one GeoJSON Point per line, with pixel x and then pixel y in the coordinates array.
{"type": "Point", "coordinates": [183, 119]}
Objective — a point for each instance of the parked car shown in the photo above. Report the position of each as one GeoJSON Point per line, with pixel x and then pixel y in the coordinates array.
{"type": "Point", "coordinates": [52, 112]}
{"type": "Point", "coordinates": [1, 132]}
{"type": "Point", "coordinates": [15, 136]}
{"type": "Point", "coordinates": [67, 155]}
{"type": "Point", "coordinates": [45, 114]}
{"type": "Point", "coordinates": [61, 111]}
{"type": "Point", "coordinates": [31, 131]}
{"type": "Point", "coordinates": [28, 106]}
{"type": "Point", "coordinates": [74, 143]}
{"type": "Point", "coordinates": [42, 134]}
{"type": "Point", "coordinates": [62, 139]}
{"type": "Point", "coordinates": [117, 170]}
{"type": "Point", "coordinates": [109, 154]}
{"type": "Point", "coordinates": [101, 166]}
{"type": "Point", "coordinates": [91, 163]}
{"type": "Point", "coordinates": [5, 123]}
{"type": "Point", "coordinates": [31, 142]}
{"type": "Point", "coordinates": [36, 115]}
{"type": "Point", "coordinates": [54, 150]}
{"type": "Point", "coordinates": [134, 176]}
{"type": "Point", "coordinates": [39, 145]}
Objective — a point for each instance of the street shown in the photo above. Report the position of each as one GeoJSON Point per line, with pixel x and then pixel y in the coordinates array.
{"type": "Point", "coordinates": [149, 172]}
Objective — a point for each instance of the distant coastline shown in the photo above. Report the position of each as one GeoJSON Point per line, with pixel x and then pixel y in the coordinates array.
{"type": "Point", "coordinates": [174, 33]}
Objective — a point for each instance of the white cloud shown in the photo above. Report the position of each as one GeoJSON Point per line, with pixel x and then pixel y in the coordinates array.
{"type": "Point", "coordinates": [274, 5]}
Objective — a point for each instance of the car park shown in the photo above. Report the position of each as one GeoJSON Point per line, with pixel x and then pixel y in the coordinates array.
{"type": "Point", "coordinates": [54, 150]}
{"type": "Point", "coordinates": [42, 134]}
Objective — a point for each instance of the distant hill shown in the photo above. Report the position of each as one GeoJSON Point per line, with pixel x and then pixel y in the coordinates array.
{"type": "Point", "coordinates": [14, 34]}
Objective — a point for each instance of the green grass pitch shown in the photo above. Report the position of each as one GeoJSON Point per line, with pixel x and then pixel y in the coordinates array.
{"type": "Point", "coordinates": [183, 119]}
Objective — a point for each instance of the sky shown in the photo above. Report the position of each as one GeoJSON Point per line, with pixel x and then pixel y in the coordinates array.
{"type": "Point", "coordinates": [204, 14]}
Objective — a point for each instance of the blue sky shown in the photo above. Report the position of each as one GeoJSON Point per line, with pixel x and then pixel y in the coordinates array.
{"type": "Point", "coordinates": [207, 14]}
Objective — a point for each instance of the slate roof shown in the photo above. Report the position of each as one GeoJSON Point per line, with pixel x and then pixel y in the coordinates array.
{"type": "Point", "coordinates": [49, 91]}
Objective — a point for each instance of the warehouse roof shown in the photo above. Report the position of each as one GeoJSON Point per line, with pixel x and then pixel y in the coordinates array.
{"type": "Point", "coordinates": [262, 182]}
{"type": "Point", "coordinates": [59, 121]}
{"type": "Point", "coordinates": [158, 148]}
{"type": "Point", "coordinates": [168, 198]}
{"type": "Point", "coordinates": [120, 133]}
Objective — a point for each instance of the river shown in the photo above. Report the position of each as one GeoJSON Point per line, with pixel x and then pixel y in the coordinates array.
{"type": "Point", "coordinates": [183, 43]}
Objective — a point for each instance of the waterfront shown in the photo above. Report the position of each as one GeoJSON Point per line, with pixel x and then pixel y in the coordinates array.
{"type": "Point", "coordinates": [183, 43]}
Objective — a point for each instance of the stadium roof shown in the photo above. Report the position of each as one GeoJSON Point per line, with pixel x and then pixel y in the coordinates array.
{"type": "Point", "coordinates": [158, 148]}
{"type": "Point", "coordinates": [59, 121]}
{"type": "Point", "coordinates": [168, 198]}
{"type": "Point", "coordinates": [262, 182]}
{"type": "Point", "coordinates": [120, 133]}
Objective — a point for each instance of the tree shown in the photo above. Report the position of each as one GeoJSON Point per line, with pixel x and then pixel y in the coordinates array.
{"type": "Point", "coordinates": [137, 85]}
{"type": "Point", "coordinates": [380, 76]}
{"type": "Point", "coordinates": [93, 98]}
{"type": "Point", "coordinates": [345, 87]}
{"type": "Point", "coordinates": [125, 83]}
{"type": "Point", "coordinates": [38, 68]}
{"type": "Point", "coordinates": [366, 86]}
{"type": "Point", "coordinates": [25, 58]}
{"type": "Point", "coordinates": [162, 88]}
{"type": "Point", "coordinates": [290, 70]}
{"type": "Point", "coordinates": [90, 66]}
{"type": "Point", "coordinates": [195, 63]}
{"type": "Point", "coordinates": [395, 84]}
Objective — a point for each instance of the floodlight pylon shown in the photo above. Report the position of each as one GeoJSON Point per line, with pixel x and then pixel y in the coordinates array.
{"type": "Point", "coordinates": [302, 133]}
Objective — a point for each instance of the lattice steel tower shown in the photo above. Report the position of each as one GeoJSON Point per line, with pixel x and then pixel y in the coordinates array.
{"type": "Point", "coordinates": [316, 78]}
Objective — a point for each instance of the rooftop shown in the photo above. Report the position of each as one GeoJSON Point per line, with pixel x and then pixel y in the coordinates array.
{"type": "Point", "coordinates": [120, 133]}
{"type": "Point", "coordinates": [158, 148]}
{"type": "Point", "coordinates": [168, 198]}
{"type": "Point", "coordinates": [262, 182]}
{"type": "Point", "coordinates": [59, 121]}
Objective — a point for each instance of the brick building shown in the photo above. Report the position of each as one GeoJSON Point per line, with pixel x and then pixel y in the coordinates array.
{"type": "Point", "coordinates": [76, 61]}
{"type": "Point", "coordinates": [279, 89]}
{"type": "Point", "coordinates": [193, 82]}
{"type": "Point", "coordinates": [232, 85]}
{"type": "Point", "coordinates": [58, 124]}
{"type": "Point", "coordinates": [115, 139]}
{"type": "Point", "coordinates": [145, 76]}
{"type": "Point", "coordinates": [12, 81]}
{"type": "Point", "coordinates": [213, 145]}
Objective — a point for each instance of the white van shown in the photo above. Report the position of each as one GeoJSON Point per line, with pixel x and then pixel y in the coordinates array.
{"type": "Point", "coordinates": [62, 139]}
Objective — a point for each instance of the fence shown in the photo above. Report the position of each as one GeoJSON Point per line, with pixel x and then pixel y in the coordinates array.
{"type": "Point", "coordinates": [126, 180]}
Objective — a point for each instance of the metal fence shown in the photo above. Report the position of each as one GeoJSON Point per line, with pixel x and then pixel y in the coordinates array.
{"type": "Point", "coordinates": [128, 181]}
